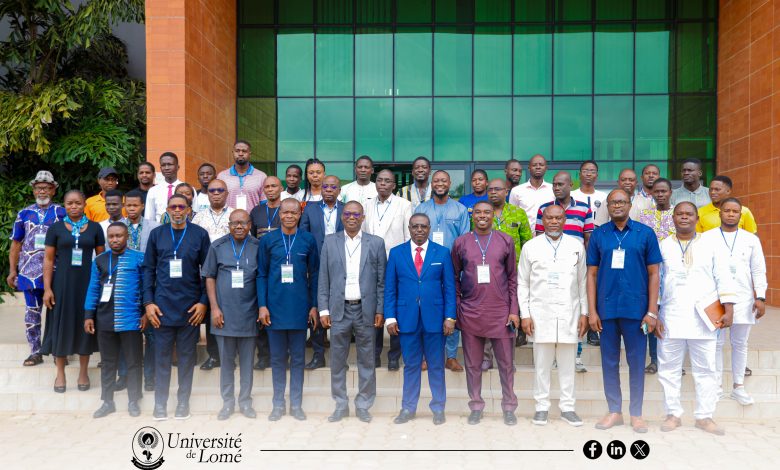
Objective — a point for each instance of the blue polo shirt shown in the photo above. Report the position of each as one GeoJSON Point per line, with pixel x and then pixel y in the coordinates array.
{"type": "Point", "coordinates": [622, 293]}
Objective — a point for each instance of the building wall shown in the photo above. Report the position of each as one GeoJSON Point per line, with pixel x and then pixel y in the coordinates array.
{"type": "Point", "coordinates": [191, 81]}
{"type": "Point", "coordinates": [749, 117]}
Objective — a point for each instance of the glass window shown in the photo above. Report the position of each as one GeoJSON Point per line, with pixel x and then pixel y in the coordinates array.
{"type": "Point", "coordinates": [295, 129]}
{"type": "Point", "coordinates": [492, 61]}
{"type": "Point", "coordinates": [256, 12]}
{"type": "Point", "coordinates": [256, 122]}
{"type": "Point", "coordinates": [652, 128]}
{"type": "Point", "coordinates": [695, 120]}
{"type": "Point", "coordinates": [573, 60]}
{"type": "Point", "coordinates": [452, 129]}
{"type": "Point", "coordinates": [572, 117]}
{"type": "Point", "coordinates": [533, 10]}
{"type": "Point", "coordinates": [374, 11]}
{"type": "Point", "coordinates": [374, 62]}
{"type": "Point", "coordinates": [454, 11]}
{"type": "Point", "coordinates": [334, 11]}
{"type": "Point", "coordinates": [413, 61]}
{"type": "Point", "coordinates": [533, 60]}
{"type": "Point", "coordinates": [413, 11]}
{"type": "Point", "coordinates": [334, 129]}
{"type": "Point", "coordinates": [613, 128]}
{"type": "Point", "coordinates": [652, 58]}
{"type": "Point", "coordinates": [614, 59]}
{"type": "Point", "coordinates": [295, 62]}
{"type": "Point", "coordinates": [573, 10]}
{"type": "Point", "coordinates": [615, 9]}
{"type": "Point", "coordinates": [334, 62]}
{"type": "Point", "coordinates": [296, 12]}
{"type": "Point", "coordinates": [256, 62]}
{"type": "Point", "coordinates": [413, 128]}
{"type": "Point", "coordinates": [374, 128]}
{"type": "Point", "coordinates": [532, 127]}
{"type": "Point", "coordinates": [653, 10]}
{"type": "Point", "coordinates": [452, 61]}
{"type": "Point", "coordinates": [696, 58]}
{"type": "Point", "coordinates": [492, 129]}
{"type": "Point", "coordinates": [694, 9]}
{"type": "Point", "coordinates": [492, 11]}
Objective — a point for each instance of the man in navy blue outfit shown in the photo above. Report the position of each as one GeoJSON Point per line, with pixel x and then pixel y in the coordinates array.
{"type": "Point", "coordinates": [623, 258]}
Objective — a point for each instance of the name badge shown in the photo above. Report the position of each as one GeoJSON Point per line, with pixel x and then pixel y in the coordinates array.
{"type": "Point", "coordinates": [175, 269]}
{"type": "Point", "coordinates": [483, 274]}
{"type": "Point", "coordinates": [76, 257]}
{"type": "Point", "coordinates": [287, 274]}
{"type": "Point", "coordinates": [553, 278]}
{"type": "Point", "coordinates": [618, 258]}
{"type": "Point", "coordinates": [241, 202]}
{"type": "Point", "coordinates": [105, 295]}
{"type": "Point", "coordinates": [733, 267]}
{"type": "Point", "coordinates": [438, 237]}
{"type": "Point", "coordinates": [352, 278]}
{"type": "Point", "coordinates": [680, 277]}
{"type": "Point", "coordinates": [40, 241]}
{"type": "Point", "coordinates": [237, 279]}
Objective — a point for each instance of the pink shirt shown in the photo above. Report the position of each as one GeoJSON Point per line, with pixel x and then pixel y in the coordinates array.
{"type": "Point", "coordinates": [249, 185]}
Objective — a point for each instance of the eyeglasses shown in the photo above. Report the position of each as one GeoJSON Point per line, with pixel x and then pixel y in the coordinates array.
{"type": "Point", "coordinates": [238, 223]}
{"type": "Point", "coordinates": [419, 226]}
{"type": "Point", "coordinates": [330, 186]}
{"type": "Point", "coordinates": [496, 189]}
{"type": "Point", "coordinates": [177, 207]}
{"type": "Point", "coordinates": [217, 190]}
{"type": "Point", "coordinates": [352, 215]}
{"type": "Point", "coordinates": [617, 203]}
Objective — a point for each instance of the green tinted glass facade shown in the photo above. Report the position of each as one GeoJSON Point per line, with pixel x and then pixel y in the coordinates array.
{"type": "Point", "coordinates": [625, 82]}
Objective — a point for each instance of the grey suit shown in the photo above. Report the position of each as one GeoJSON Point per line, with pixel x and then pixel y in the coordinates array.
{"type": "Point", "coordinates": [346, 318]}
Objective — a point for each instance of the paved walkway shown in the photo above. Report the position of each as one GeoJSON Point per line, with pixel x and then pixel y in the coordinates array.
{"type": "Point", "coordinates": [65, 441]}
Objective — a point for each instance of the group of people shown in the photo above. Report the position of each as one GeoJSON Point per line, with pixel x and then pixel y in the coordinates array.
{"type": "Point", "coordinates": [261, 262]}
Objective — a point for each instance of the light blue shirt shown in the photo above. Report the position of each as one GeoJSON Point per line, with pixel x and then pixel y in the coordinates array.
{"type": "Point", "coordinates": [452, 218]}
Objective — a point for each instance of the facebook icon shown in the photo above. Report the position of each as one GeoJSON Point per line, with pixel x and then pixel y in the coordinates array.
{"type": "Point", "coordinates": [592, 449]}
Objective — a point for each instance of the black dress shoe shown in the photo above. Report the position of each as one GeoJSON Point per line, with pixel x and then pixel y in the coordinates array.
{"type": "Point", "coordinates": [404, 416]}
{"type": "Point", "coordinates": [593, 338]}
{"type": "Point", "coordinates": [338, 415]}
{"type": "Point", "coordinates": [298, 414]}
{"type": "Point", "coordinates": [393, 364]}
{"type": "Point", "coordinates": [316, 362]}
{"type": "Point", "coordinates": [182, 411]}
{"type": "Point", "coordinates": [249, 412]}
{"type": "Point", "coordinates": [276, 414]}
{"type": "Point", "coordinates": [363, 415]}
{"type": "Point", "coordinates": [475, 417]}
{"type": "Point", "coordinates": [377, 362]}
{"type": "Point", "coordinates": [438, 418]}
{"type": "Point", "coordinates": [120, 384]}
{"type": "Point", "coordinates": [209, 364]}
{"type": "Point", "coordinates": [160, 413]}
{"type": "Point", "coordinates": [521, 340]}
{"type": "Point", "coordinates": [149, 385]}
{"type": "Point", "coordinates": [509, 418]}
{"type": "Point", "coordinates": [225, 413]}
{"type": "Point", "coordinates": [133, 409]}
{"type": "Point", "coordinates": [262, 364]}
{"type": "Point", "coordinates": [105, 409]}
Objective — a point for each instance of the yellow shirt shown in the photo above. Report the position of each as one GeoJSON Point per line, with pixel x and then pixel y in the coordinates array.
{"type": "Point", "coordinates": [95, 209]}
{"type": "Point", "coordinates": [709, 218]}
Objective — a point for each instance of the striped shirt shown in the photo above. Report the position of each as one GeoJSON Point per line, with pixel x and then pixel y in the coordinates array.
{"type": "Point", "coordinates": [579, 218]}
{"type": "Point", "coordinates": [122, 312]}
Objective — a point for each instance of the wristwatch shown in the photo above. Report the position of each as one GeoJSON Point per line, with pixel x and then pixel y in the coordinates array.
{"type": "Point", "coordinates": [762, 299]}
{"type": "Point", "coordinates": [652, 315]}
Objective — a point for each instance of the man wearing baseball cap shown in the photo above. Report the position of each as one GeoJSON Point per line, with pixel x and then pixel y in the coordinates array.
{"type": "Point", "coordinates": [26, 256]}
{"type": "Point", "coordinates": [108, 179]}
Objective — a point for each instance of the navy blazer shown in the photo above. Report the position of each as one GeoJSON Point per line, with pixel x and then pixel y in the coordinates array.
{"type": "Point", "coordinates": [313, 220]}
{"type": "Point", "coordinates": [430, 296]}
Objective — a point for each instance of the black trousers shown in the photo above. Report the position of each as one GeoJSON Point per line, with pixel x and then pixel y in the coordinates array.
{"type": "Point", "coordinates": [113, 345]}
{"type": "Point", "coordinates": [211, 342]}
{"type": "Point", "coordinates": [185, 338]}
{"type": "Point", "coordinates": [263, 348]}
{"type": "Point", "coordinates": [394, 353]}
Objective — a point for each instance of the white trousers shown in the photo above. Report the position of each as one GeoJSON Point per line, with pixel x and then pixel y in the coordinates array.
{"type": "Point", "coordinates": [738, 335]}
{"type": "Point", "coordinates": [544, 354]}
{"type": "Point", "coordinates": [671, 353]}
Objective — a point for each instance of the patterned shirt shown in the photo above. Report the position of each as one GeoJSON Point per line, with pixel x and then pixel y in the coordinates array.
{"type": "Point", "coordinates": [514, 222]}
{"type": "Point", "coordinates": [579, 218]}
{"type": "Point", "coordinates": [413, 194]}
{"type": "Point", "coordinates": [660, 221]}
{"type": "Point", "coordinates": [31, 222]}
{"type": "Point", "coordinates": [122, 311]}
{"type": "Point", "coordinates": [215, 223]}
{"type": "Point", "coordinates": [700, 197]}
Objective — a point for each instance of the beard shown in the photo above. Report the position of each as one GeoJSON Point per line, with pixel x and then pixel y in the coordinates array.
{"type": "Point", "coordinates": [42, 201]}
{"type": "Point", "coordinates": [555, 234]}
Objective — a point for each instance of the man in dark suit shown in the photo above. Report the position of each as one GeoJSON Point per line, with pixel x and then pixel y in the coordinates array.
{"type": "Point", "coordinates": [321, 219]}
{"type": "Point", "coordinates": [350, 298]}
{"type": "Point", "coordinates": [420, 306]}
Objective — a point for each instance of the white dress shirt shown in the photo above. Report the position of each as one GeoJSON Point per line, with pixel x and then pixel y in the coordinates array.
{"type": "Point", "coordinates": [551, 287]}
{"type": "Point", "coordinates": [527, 197]}
{"type": "Point", "coordinates": [388, 220]}
{"type": "Point", "coordinates": [356, 192]}
{"type": "Point", "coordinates": [352, 247]}
{"type": "Point", "coordinates": [329, 217]}
{"type": "Point", "coordinates": [157, 199]}
{"type": "Point", "coordinates": [424, 247]}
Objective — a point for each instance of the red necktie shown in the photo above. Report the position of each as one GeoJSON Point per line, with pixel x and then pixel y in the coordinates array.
{"type": "Point", "coordinates": [170, 191]}
{"type": "Point", "coordinates": [418, 261]}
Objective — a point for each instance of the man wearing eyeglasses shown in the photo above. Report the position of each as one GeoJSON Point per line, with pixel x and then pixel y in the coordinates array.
{"type": "Point", "coordinates": [214, 220]}
{"type": "Point", "coordinates": [175, 301]}
{"type": "Point", "coordinates": [350, 298]}
{"type": "Point", "coordinates": [321, 219]}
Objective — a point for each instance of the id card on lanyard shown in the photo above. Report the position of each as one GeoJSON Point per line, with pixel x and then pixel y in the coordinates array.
{"type": "Point", "coordinates": [108, 287]}
{"type": "Point", "coordinates": [40, 238]}
{"type": "Point", "coordinates": [619, 254]}
{"type": "Point", "coordinates": [287, 276]}
{"type": "Point", "coordinates": [483, 270]}
{"type": "Point", "coordinates": [176, 270]}
{"type": "Point", "coordinates": [237, 275]}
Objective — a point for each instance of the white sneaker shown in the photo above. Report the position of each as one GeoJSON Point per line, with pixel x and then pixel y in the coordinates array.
{"type": "Point", "coordinates": [579, 366]}
{"type": "Point", "coordinates": [742, 396]}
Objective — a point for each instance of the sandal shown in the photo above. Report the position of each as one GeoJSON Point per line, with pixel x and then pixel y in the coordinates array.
{"type": "Point", "coordinates": [651, 368]}
{"type": "Point", "coordinates": [748, 372]}
{"type": "Point", "coordinates": [33, 360]}
{"type": "Point", "coordinates": [83, 387]}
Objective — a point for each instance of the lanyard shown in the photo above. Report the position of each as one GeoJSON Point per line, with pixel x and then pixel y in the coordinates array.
{"type": "Point", "coordinates": [76, 226]}
{"type": "Point", "coordinates": [620, 239]}
{"type": "Point", "coordinates": [42, 220]}
{"type": "Point", "coordinates": [687, 245]}
{"type": "Point", "coordinates": [731, 248]}
{"type": "Point", "coordinates": [268, 215]}
{"type": "Point", "coordinates": [484, 251]}
{"type": "Point", "coordinates": [421, 197]}
{"type": "Point", "coordinates": [173, 239]}
{"type": "Point", "coordinates": [111, 272]}
{"type": "Point", "coordinates": [134, 234]}
{"type": "Point", "coordinates": [438, 217]}
{"type": "Point", "coordinates": [350, 254]}
{"type": "Point", "coordinates": [237, 256]}
{"type": "Point", "coordinates": [554, 247]}
{"type": "Point", "coordinates": [378, 202]}
{"type": "Point", "coordinates": [330, 212]}
{"type": "Point", "coordinates": [241, 177]}
{"type": "Point", "coordinates": [286, 249]}
{"type": "Point", "coordinates": [217, 221]}
{"type": "Point", "coordinates": [499, 220]}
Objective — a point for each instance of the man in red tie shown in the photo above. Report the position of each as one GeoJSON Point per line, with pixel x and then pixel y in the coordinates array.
{"type": "Point", "coordinates": [158, 195]}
